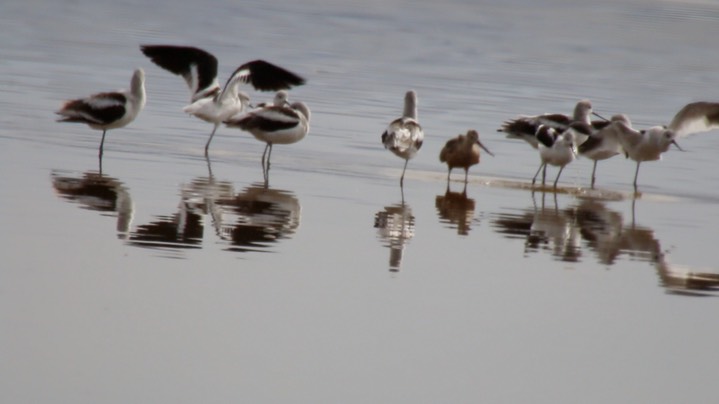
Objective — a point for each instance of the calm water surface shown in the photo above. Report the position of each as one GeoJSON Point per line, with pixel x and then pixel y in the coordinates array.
{"type": "Point", "coordinates": [167, 277]}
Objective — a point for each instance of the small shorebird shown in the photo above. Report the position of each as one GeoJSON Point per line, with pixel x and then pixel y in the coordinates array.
{"type": "Point", "coordinates": [108, 110]}
{"type": "Point", "coordinates": [462, 151]}
{"type": "Point", "coordinates": [404, 135]}
{"type": "Point", "coordinates": [280, 123]}
{"type": "Point", "coordinates": [604, 143]}
{"type": "Point", "coordinates": [649, 144]}
{"type": "Point", "coordinates": [557, 149]}
{"type": "Point", "coordinates": [209, 101]}
{"type": "Point", "coordinates": [525, 127]}
{"type": "Point", "coordinates": [645, 145]}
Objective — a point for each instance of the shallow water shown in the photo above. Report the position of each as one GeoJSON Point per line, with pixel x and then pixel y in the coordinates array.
{"type": "Point", "coordinates": [171, 278]}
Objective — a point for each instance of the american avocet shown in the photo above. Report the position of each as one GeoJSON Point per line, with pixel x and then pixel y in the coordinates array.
{"type": "Point", "coordinates": [462, 151]}
{"type": "Point", "coordinates": [404, 135]}
{"type": "Point", "coordinates": [107, 110]}
{"type": "Point", "coordinates": [275, 124]}
{"type": "Point", "coordinates": [557, 149]}
{"type": "Point", "coordinates": [604, 143]}
{"type": "Point", "coordinates": [209, 101]}
{"type": "Point", "coordinates": [645, 145]}
{"type": "Point", "coordinates": [525, 127]}
{"type": "Point", "coordinates": [650, 144]}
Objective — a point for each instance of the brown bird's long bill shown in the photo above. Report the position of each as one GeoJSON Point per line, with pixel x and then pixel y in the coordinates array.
{"type": "Point", "coordinates": [485, 149]}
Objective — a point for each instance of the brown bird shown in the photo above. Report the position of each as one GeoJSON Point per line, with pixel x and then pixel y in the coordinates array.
{"type": "Point", "coordinates": [462, 151]}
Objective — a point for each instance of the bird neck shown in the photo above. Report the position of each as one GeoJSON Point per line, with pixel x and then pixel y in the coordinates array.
{"type": "Point", "coordinates": [410, 110]}
{"type": "Point", "coordinates": [581, 114]}
{"type": "Point", "coordinates": [137, 87]}
{"type": "Point", "coordinates": [302, 108]}
{"type": "Point", "coordinates": [230, 92]}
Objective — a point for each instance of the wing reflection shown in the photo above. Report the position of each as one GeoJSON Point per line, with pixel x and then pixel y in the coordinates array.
{"type": "Point", "coordinates": [456, 210]}
{"type": "Point", "coordinates": [590, 224]}
{"type": "Point", "coordinates": [98, 192]}
{"type": "Point", "coordinates": [258, 216]}
{"type": "Point", "coordinates": [683, 280]}
{"type": "Point", "coordinates": [640, 244]}
{"type": "Point", "coordinates": [185, 228]}
{"type": "Point", "coordinates": [544, 228]}
{"type": "Point", "coordinates": [395, 225]}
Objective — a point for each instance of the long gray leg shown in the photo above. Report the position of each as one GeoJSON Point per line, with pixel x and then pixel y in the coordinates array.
{"type": "Point", "coordinates": [401, 179]}
{"type": "Point", "coordinates": [534, 179]}
{"type": "Point", "coordinates": [207, 145]}
{"type": "Point", "coordinates": [102, 144]}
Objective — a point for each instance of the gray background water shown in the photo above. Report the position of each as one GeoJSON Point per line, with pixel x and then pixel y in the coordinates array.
{"type": "Point", "coordinates": [150, 295]}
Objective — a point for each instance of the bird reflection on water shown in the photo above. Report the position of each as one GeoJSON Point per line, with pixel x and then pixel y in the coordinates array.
{"type": "Point", "coordinates": [456, 210]}
{"type": "Point", "coordinates": [258, 216]}
{"type": "Point", "coordinates": [543, 228]}
{"type": "Point", "coordinates": [395, 226]}
{"type": "Point", "coordinates": [248, 221]}
{"type": "Point", "coordinates": [589, 224]}
{"type": "Point", "coordinates": [185, 228]}
{"type": "Point", "coordinates": [98, 192]}
{"type": "Point", "coordinates": [683, 280]}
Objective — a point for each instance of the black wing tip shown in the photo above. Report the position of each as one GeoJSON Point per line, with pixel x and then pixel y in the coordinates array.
{"type": "Point", "coordinates": [73, 120]}
{"type": "Point", "coordinates": [153, 50]}
{"type": "Point", "coordinates": [168, 52]}
{"type": "Point", "coordinates": [266, 76]}
{"type": "Point", "coordinates": [236, 123]}
{"type": "Point", "coordinates": [150, 48]}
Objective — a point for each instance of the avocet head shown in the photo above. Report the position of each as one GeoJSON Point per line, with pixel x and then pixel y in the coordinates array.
{"type": "Point", "coordinates": [624, 118]}
{"type": "Point", "coordinates": [661, 138]}
{"type": "Point", "coordinates": [281, 99]}
{"type": "Point", "coordinates": [582, 110]}
{"type": "Point", "coordinates": [568, 140]}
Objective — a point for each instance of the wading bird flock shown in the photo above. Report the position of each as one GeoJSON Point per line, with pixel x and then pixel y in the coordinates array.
{"type": "Point", "coordinates": [558, 138]}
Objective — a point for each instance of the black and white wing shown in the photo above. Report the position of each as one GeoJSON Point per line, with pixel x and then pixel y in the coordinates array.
{"type": "Point", "coordinates": [196, 66]}
{"type": "Point", "coordinates": [403, 134]}
{"type": "Point", "coordinates": [97, 109]}
{"type": "Point", "coordinates": [264, 76]}
{"type": "Point", "coordinates": [267, 119]}
{"type": "Point", "coordinates": [546, 135]}
{"type": "Point", "coordinates": [556, 121]}
{"type": "Point", "coordinates": [695, 117]}
{"type": "Point", "coordinates": [521, 128]}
